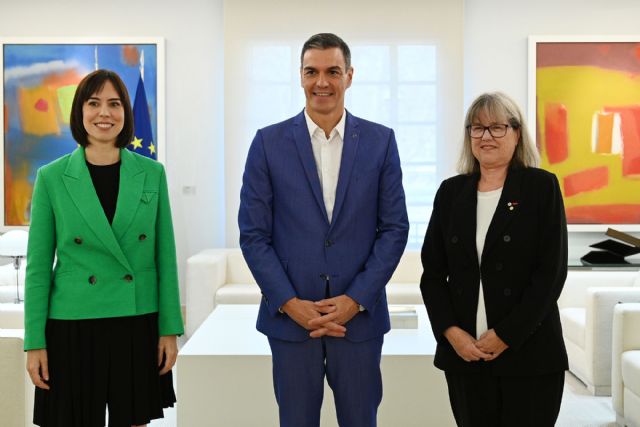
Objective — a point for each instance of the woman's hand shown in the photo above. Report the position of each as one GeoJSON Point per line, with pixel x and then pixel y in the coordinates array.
{"type": "Point", "coordinates": [38, 367]}
{"type": "Point", "coordinates": [491, 343]}
{"type": "Point", "coordinates": [167, 350]}
{"type": "Point", "coordinates": [465, 345]}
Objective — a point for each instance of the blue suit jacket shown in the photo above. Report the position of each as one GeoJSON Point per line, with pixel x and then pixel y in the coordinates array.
{"type": "Point", "coordinates": [288, 241]}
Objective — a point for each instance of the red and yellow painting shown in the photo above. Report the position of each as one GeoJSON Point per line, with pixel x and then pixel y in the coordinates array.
{"type": "Point", "coordinates": [588, 127]}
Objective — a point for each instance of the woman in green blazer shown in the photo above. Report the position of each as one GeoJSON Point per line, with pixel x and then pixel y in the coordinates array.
{"type": "Point", "coordinates": [101, 324]}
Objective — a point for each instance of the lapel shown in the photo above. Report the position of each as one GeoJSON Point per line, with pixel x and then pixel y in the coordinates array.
{"type": "Point", "coordinates": [132, 179]}
{"type": "Point", "coordinates": [503, 215]}
{"type": "Point", "coordinates": [349, 150]}
{"type": "Point", "coordinates": [303, 145]}
{"type": "Point", "coordinates": [78, 183]}
{"type": "Point", "coordinates": [463, 216]}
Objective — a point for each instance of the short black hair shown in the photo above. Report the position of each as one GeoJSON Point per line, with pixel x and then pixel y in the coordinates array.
{"type": "Point", "coordinates": [327, 41]}
{"type": "Point", "coordinates": [93, 83]}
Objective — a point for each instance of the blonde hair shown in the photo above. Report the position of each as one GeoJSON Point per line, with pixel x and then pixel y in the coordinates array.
{"type": "Point", "coordinates": [497, 105]}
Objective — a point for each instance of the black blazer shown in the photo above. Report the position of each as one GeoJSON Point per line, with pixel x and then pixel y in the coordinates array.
{"type": "Point", "coordinates": [523, 269]}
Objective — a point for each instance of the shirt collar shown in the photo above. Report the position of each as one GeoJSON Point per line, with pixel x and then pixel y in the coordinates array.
{"type": "Point", "coordinates": [313, 128]}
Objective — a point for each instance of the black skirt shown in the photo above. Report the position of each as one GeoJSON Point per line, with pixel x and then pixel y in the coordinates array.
{"type": "Point", "coordinates": [100, 363]}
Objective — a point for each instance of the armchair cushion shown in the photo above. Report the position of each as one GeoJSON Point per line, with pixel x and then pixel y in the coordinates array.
{"type": "Point", "coordinates": [237, 269]}
{"type": "Point", "coordinates": [631, 370]}
{"type": "Point", "coordinates": [404, 293]}
{"type": "Point", "coordinates": [409, 269]}
{"type": "Point", "coordinates": [238, 293]}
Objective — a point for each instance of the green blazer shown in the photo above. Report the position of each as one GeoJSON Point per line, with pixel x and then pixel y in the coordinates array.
{"type": "Point", "coordinates": [124, 269]}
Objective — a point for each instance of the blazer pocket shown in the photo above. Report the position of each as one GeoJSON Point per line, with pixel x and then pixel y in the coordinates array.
{"type": "Point", "coordinates": [147, 196]}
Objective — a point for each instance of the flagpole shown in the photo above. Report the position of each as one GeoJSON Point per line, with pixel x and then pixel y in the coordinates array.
{"type": "Point", "coordinates": [95, 57]}
{"type": "Point", "coordinates": [142, 65]}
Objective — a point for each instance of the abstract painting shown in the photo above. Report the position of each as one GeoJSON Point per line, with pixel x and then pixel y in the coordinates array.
{"type": "Point", "coordinates": [584, 102]}
{"type": "Point", "coordinates": [39, 81]}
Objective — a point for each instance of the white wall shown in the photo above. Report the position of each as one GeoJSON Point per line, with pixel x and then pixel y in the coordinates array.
{"type": "Point", "coordinates": [496, 32]}
{"type": "Point", "coordinates": [194, 92]}
{"type": "Point", "coordinates": [495, 48]}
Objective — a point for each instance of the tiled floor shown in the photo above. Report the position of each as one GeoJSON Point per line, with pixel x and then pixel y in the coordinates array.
{"type": "Point", "coordinates": [579, 409]}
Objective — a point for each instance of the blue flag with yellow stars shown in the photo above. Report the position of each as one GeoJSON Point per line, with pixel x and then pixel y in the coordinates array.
{"type": "Point", "coordinates": [143, 142]}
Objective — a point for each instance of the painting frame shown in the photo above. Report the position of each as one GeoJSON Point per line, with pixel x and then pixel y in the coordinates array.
{"type": "Point", "coordinates": [532, 104]}
{"type": "Point", "coordinates": [160, 100]}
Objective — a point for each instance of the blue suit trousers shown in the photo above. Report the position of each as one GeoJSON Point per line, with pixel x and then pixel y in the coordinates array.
{"type": "Point", "coordinates": [352, 370]}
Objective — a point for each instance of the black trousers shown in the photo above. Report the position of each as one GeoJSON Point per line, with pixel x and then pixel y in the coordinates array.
{"type": "Point", "coordinates": [484, 400]}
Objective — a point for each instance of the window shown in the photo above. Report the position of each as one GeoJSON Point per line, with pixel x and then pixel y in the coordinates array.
{"type": "Point", "coordinates": [394, 84]}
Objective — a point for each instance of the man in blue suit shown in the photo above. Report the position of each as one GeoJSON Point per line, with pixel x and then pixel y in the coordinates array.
{"type": "Point", "coordinates": [323, 224]}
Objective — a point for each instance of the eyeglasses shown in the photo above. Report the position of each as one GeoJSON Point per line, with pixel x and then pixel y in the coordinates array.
{"type": "Point", "coordinates": [495, 130]}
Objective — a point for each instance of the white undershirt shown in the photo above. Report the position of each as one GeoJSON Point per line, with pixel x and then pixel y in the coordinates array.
{"type": "Point", "coordinates": [328, 154]}
{"type": "Point", "coordinates": [487, 204]}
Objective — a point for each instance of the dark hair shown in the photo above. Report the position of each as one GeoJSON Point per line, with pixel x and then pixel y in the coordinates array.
{"type": "Point", "coordinates": [326, 41]}
{"type": "Point", "coordinates": [93, 83]}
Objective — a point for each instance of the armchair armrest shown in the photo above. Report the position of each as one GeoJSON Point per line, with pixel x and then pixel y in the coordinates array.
{"type": "Point", "coordinates": [626, 336]}
{"type": "Point", "coordinates": [599, 323]}
{"type": "Point", "coordinates": [206, 273]}
{"type": "Point", "coordinates": [16, 405]}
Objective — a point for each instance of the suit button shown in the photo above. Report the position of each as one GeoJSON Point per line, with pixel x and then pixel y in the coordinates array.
{"type": "Point", "coordinates": [454, 239]}
{"type": "Point", "coordinates": [78, 241]}
{"type": "Point", "coordinates": [498, 266]}
{"type": "Point", "coordinates": [506, 238]}
{"type": "Point", "coordinates": [92, 280]}
{"type": "Point", "coordinates": [142, 237]}
{"type": "Point", "coordinates": [327, 243]}
{"type": "Point", "coordinates": [507, 292]}
{"type": "Point", "coordinates": [459, 290]}
{"type": "Point", "coordinates": [128, 277]}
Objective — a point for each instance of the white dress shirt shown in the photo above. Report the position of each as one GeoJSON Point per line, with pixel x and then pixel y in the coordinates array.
{"type": "Point", "coordinates": [328, 153]}
{"type": "Point", "coordinates": [487, 204]}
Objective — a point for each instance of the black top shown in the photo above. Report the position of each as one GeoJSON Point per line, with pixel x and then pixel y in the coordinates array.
{"type": "Point", "coordinates": [106, 181]}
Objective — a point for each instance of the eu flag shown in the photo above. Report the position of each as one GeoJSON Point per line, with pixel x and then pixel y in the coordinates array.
{"type": "Point", "coordinates": [143, 142]}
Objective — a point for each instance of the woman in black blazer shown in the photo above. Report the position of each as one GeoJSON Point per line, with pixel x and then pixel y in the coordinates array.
{"type": "Point", "coordinates": [495, 262]}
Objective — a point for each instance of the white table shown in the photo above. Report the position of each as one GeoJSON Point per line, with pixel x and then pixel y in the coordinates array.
{"type": "Point", "coordinates": [224, 376]}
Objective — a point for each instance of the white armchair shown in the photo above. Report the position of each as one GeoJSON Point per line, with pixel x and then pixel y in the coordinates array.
{"type": "Point", "coordinates": [16, 403]}
{"type": "Point", "coordinates": [221, 276]}
{"type": "Point", "coordinates": [625, 365]}
{"type": "Point", "coordinates": [208, 272]}
{"type": "Point", "coordinates": [586, 312]}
